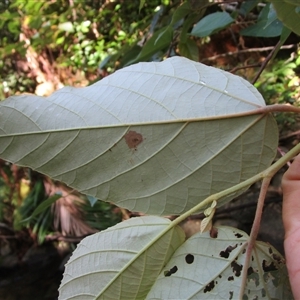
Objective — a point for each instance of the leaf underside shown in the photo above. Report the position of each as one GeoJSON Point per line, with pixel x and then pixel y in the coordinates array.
{"type": "Point", "coordinates": [153, 137]}
{"type": "Point", "coordinates": [147, 258]}
{"type": "Point", "coordinates": [120, 262]}
{"type": "Point", "coordinates": [211, 268]}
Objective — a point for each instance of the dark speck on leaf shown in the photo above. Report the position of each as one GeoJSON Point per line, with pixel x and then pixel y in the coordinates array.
{"type": "Point", "coordinates": [209, 287]}
{"type": "Point", "coordinates": [269, 267]}
{"type": "Point", "coordinates": [238, 235]}
{"type": "Point", "coordinates": [171, 271]}
{"type": "Point", "coordinates": [227, 251]}
{"type": "Point", "coordinates": [278, 258]}
{"type": "Point", "coordinates": [189, 258]}
{"type": "Point", "coordinates": [236, 268]}
{"type": "Point", "coordinates": [230, 278]}
{"type": "Point", "coordinates": [250, 271]}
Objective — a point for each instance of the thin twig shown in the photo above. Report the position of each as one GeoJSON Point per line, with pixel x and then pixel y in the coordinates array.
{"type": "Point", "coordinates": [254, 232]}
{"type": "Point", "coordinates": [281, 152]}
{"type": "Point", "coordinates": [290, 135]}
{"type": "Point", "coordinates": [71, 2]}
{"type": "Point", "coordinates": [267, 176]}
{"type": "Point", "coordinates": [68, 239]}
{"type": "Point", "coordinates": [8, 237]}
{"type": "Point", "coordinates": [262, 49]}
{"type": "Point", "coordinates": [244, 67]}
{"type": "Point", "coordinates": [267, 59]}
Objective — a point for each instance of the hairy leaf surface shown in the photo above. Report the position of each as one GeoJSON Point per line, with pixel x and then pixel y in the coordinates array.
{"type": "Point", "coordinates": [121, 262]}
{"type": "Point", "coordinates": [153, 137]}
{"type": "Point", "coordinates": [206, 267]}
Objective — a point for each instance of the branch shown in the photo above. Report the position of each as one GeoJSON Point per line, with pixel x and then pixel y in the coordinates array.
{"type": "Point", "coordinates": [267, 59]}
{"type": "Point", "coordinates": [254, 232]}
{"type": "Point", "coordinates": [268, 173]}
{"type": "Point", "coordinates": [243, 67]}
{"type": "Point", "coordinates": [262, 49]}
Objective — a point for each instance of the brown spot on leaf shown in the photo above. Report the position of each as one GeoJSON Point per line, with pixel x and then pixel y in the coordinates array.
{"type": "Point", "coordinates": [269, 267]}
{"type": "Point", "coordinates": [236, 268]}
{"type": "Point", "coordinates": [227, 251]}
{"type": "Point", "coordinates": [209, 287]}
{"type": "Point", "coordinates": [250, 271]}
{"type": "Point", "coordinates": [133, 139]}
{"type": "Point", "coordinates": [278, 259]}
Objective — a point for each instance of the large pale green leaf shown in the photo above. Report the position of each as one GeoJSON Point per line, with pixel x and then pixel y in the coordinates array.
{"type": "Point", "coordinates": [152, 137]}
{"type": "Point", "coordinates": [121, 262]}
{"type": "Point", "coordinates": [288, 11]}
{"type": "Point", "coordinates": [207, 267]}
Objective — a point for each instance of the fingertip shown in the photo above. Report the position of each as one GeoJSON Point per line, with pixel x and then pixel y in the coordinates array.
{"type": "Point", "coordinates": [293, 172]}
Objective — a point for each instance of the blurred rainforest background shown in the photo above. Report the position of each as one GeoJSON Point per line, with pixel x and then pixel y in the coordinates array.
{"type": "Point", "coordinates": [45, 45]}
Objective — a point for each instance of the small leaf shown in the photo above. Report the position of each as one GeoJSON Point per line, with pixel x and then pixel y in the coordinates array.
{"type": "Point", "coordinates": [160, 40]}
{"type": "Point", "coordinates": [164, 35]}
{"type": "Point", "coordinates": [206, 223]}
{"type": "Point", "coordinates": [41, 207]}
{"type": "Point", "coordinates": [130, 54]}
{"type": "Point", "coordinates": [142, 3]}
{"type": "Point", "coordinates": [189, 49]}
{"type": "Point", "coordinates": [92, 200]}
{"type": "Point", "coordinates": [287, 13]}
{"type": "Point", "coordinates": [67, 26]}
{"type": "Point", "coordinates": [121, 262]}
{"type": "Point", "coordinates": [247, 6]}
{"type": "Point", "coordinates": [212, 23]}
{"type": "Point", "coordinates": [211, 268]}
{"type": "Point", "coordinates": [180, 12]}
{"type": "Point", "coordinates": [36, 22]}
{"type": "Point", "coordinates": [267, 25]}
